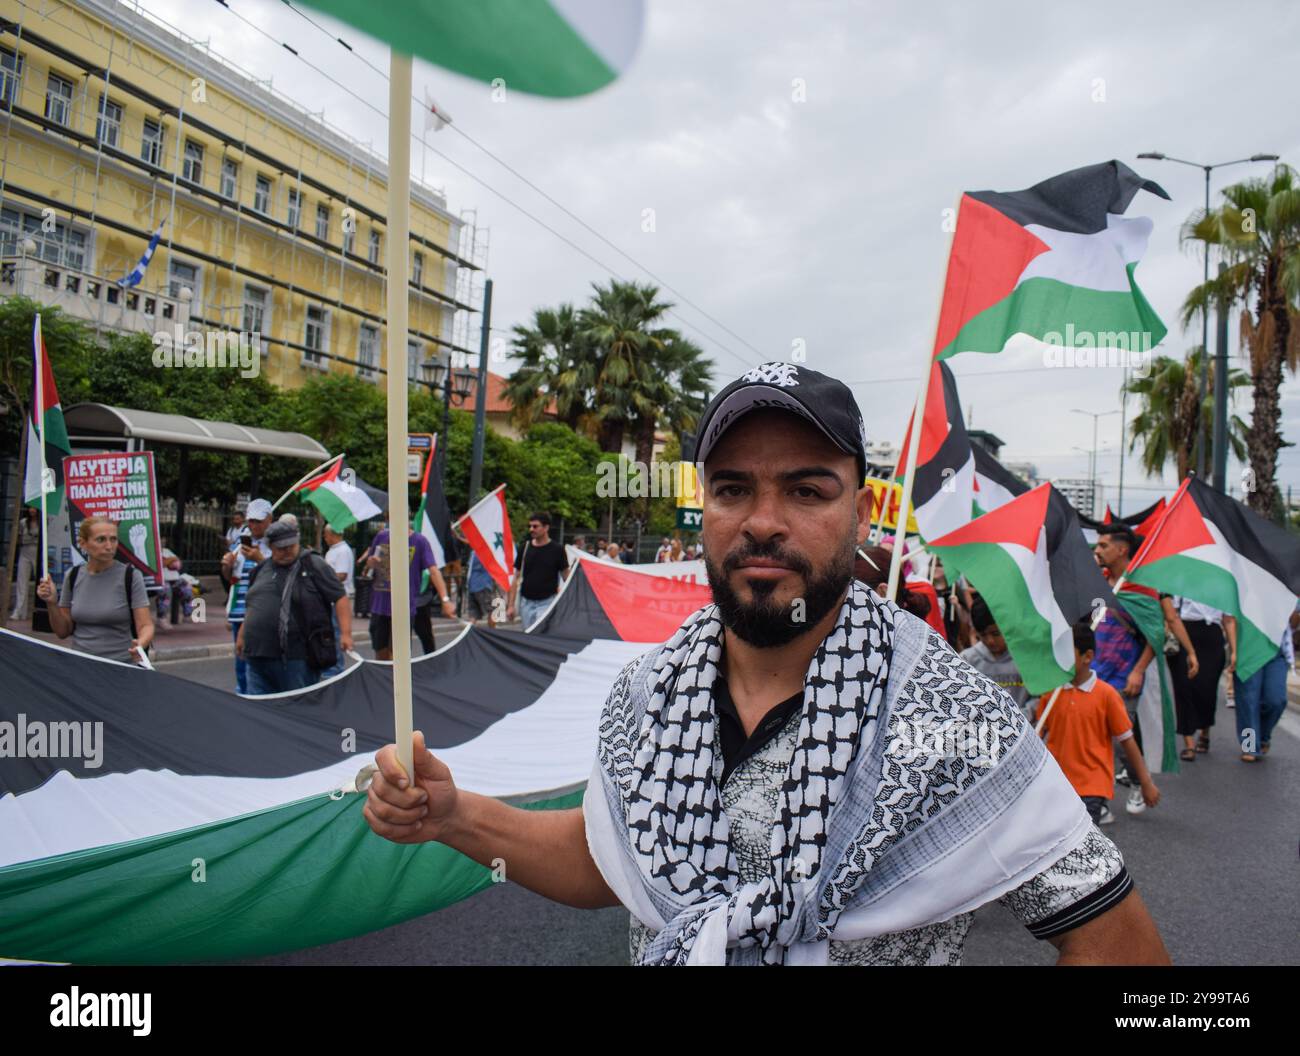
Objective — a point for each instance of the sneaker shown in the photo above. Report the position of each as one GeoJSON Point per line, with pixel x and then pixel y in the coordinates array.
{"type": "Point", "coordinates": [1107, 818]}
{"type": "Point", "coordinates": [1123, 778]}
{"type": "Point", "coordinates": [1136, 804]}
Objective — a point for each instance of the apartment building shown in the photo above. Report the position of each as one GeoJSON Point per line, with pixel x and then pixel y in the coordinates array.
{"type": "Point", "coordinates": [116, 126]}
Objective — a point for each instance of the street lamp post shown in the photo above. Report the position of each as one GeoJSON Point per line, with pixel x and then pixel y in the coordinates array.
{"type": "Point", "coordinates": [1092, 462]}
{"type": "Point", "coordinates": [1199, 453]}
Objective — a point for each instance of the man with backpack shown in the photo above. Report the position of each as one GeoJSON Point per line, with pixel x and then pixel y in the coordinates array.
{"type": "Point", "coordinates": [287, 636]}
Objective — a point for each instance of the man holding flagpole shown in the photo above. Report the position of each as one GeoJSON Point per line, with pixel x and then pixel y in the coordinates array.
{"type": "Point", "coordinates": [771, 785]}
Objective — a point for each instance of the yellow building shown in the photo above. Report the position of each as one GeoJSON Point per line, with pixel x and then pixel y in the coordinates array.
{"type": "Point", "coordinates": [271, 219]}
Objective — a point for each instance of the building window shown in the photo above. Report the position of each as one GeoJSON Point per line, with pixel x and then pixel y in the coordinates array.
{"type": "Point", "coordinates": [374, 247]}
{"type": "Point", "coordinates": [295, 208]}
{"type": "Point", "coordinates": [229, 179]}
{"type": "Point", "coordinates": [262, 195]}
{"type": "Point", "coordinates": [192, 168]}
{"type": "Point", "coordinates": [417, 269]}
{"type": "Point", "coordinates": [414, 353]}
{"type": "Point", "coordinates": [179, 275]}
{"type": "Point", "coordinates": [368, 351]}
{"type": "Point", "coordinates": [255, 304]}
{"type": "Point", "coordinates": [58, 100]}
{"type": "Point", "coordinates": [151, 142]}
{"type": "Point", "coordinates": [315, 336]}
{"type": "Point", "coordinates": [349, 239]}
{"type": "Point", "coordinates": [108, 126]}
{"type": "Point", "coordinates": [323, 222]}
{"type": "Point", "coordinates": [65, 246]}
{"type": "Point", "coordinates": [11, 70]}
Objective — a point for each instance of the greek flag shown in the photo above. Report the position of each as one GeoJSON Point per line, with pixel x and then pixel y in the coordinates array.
{"type": "Point", "coordinates": [134, 276]}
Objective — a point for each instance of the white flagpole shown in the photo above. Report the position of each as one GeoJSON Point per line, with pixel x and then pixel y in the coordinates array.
{"type": "Point", "coordinates": [399, 516]}
{"type": "Point", "coordinates": [38, 414]}
{"type": "Point", "coordinates": [307, 476]}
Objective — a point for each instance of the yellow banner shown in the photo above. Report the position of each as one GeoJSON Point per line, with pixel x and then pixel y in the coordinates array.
{"type": "Point", "coordinates": [689, 492]}
{"type": "Point", "coordinates": [881, 488]}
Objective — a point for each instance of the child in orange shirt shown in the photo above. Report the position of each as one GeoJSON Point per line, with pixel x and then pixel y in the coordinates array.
{"type": "Point", "coordinates": [1079, 729]}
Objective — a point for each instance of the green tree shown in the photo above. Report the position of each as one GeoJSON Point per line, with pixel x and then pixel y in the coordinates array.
{"type": "Point", "coordinates": [623, 320]}
{"type": "Point", "coordinates": [557, 362]}
{"type": "Point", "coordinates": [1165, 427]}
{"type": "Point", "coordinates": [70, 345]}
{"type": "Point", "coordinates": [1257, 230]}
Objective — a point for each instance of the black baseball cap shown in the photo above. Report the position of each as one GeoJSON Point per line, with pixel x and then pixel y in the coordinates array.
{"type": "Point", "coordinates": [824, 401]}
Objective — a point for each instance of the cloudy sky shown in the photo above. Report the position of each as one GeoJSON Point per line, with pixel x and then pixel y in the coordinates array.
{"type": "Point", "coordinates": [819, 218]}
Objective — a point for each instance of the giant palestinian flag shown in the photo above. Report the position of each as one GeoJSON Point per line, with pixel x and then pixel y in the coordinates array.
{"type": "Point", "coordinates": [44, 423]}
{"type": "Point", "coordinates": [1214, 550]}
{"type": "Point", "coordinates": [546, 47]}
{"type": "Point", "coordinates": [336, 494]}
{"type": "Point", "coordinates": [1031, 565]}
{"type": "Point", "coordinates": [127, 836]}
{"type": "Point", "coordinates": [1054, 263]}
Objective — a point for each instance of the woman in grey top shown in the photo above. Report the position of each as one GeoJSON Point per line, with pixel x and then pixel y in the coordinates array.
{"type": "Point", "coordinates": [97, 605]}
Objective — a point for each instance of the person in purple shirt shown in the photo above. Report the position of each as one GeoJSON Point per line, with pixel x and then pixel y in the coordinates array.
{"type": "Point", "coordinates": [381, 598]}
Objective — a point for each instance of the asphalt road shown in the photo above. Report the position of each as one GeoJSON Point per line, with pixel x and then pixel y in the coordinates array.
{"type": "Point", "coordinates": [1216, 863]}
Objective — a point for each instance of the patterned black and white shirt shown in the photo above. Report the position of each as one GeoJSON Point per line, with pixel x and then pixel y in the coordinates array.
{"type": "Point", "coordinates": [1084, 883]}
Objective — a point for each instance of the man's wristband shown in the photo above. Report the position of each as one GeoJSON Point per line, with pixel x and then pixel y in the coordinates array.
{"type": "Point", "coordinates": [446, 599]}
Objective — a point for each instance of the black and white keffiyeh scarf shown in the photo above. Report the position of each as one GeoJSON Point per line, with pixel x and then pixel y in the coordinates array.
{"type": "Point", "coordinates": [846, 840]}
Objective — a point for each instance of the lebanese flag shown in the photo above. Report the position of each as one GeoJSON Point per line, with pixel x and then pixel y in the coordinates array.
{"type": "Point", "coordinates": [1055, 262]}
{"type": "Point", "coordinates": [339, 500]}
{"type": "Point", "coordinates": [1029, 561]}
{"type": "Point", "coordinates": [52, 431]}
{"type": "Point", "coordinates": [487, 530]}
{"type": "Point", "coordinates": [1215, 550]}
{"type": "Point", "coordinates": [433, 518]}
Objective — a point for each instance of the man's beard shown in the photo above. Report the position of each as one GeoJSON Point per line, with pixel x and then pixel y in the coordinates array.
{"type": "Point", "coordinates": [764, 623]}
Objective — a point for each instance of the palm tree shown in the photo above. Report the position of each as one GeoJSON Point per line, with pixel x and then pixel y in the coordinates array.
{"type": "Point", "coordinates": [558, 364]}
{"type": "Point", "coordinates": [1166, 425]}
{"type": "Point", "coordinates": [623, 321]}
{"type": "Point", "coordinates": [669, 391]}
{"type": "Point", "coordinates": [1257, 230]}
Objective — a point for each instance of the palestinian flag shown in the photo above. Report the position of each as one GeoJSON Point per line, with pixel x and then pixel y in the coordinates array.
{"type": "Point", "coordinates": [943, 493]}
{"type": "Point", "coordinates": [995, 485]}
{"type": "Point", "coordinates": [487, 529]}
{"type": "Point", "coordinates": [338, 498]}
{"type": "Point", "coordinates": [544, 47]}
{"type": "Point", "coordinates": [44, 423]}
{"type": "Point", "coordinates": [1140, 609]}
{"type": "Point", "coordinates": [433, 518]}
{"type": "Point", "coordinates": [127, 837]}
{"type": "Point", "coordinates": [1141, 522]}
{"type": "Point", "coordinates": [1055, 262]}
{"type": "Point", "coordinates": [1031, 565]}
{"type": "Point", "coordinates": [1214, 550]}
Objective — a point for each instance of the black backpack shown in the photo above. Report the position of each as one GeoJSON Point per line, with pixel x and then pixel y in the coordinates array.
{"type": "Point", "coordinates": [126, 588]}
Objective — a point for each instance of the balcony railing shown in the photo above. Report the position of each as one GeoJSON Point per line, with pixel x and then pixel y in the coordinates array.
{"type": "Point", "coordinates": [87, 296]}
